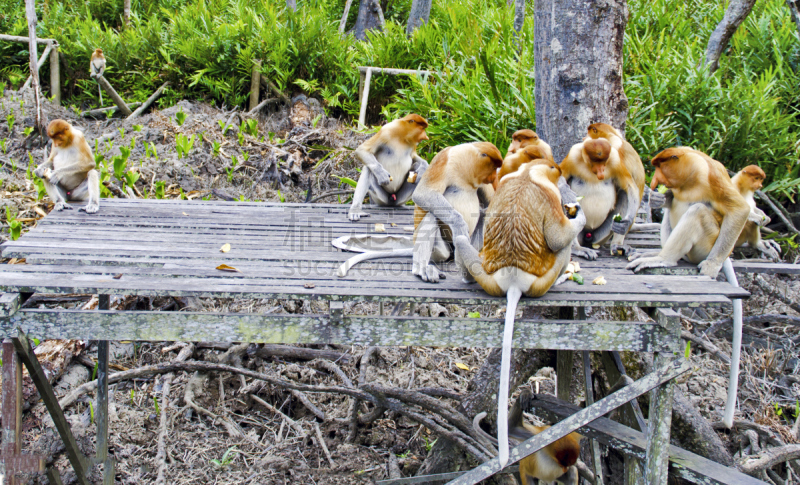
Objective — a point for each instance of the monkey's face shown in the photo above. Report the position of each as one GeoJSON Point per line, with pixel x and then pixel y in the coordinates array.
{"type": "Point", "coordinates": [669, 168]}
{"type": "Point", "coordinates": [522, 139]}
{"type": "Point", "coordinates": [415, 126]}
{"type": "Point", "coordinates": [487, 162]}
{"type": "Point", "coordinates": [60, 132]}
{"type": "Point", "coordinates": [597, 153]}
{"type": "Point", "coordinates": [756, 176]}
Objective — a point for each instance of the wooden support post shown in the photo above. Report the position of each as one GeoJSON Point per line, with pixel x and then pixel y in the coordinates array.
{"type": "Point", "coordinates": [364, 98]}
{"type": "Point", "coordinates": [114, 96]}
{"type": "Point", "coordinates": [564, 362]}
{"type": "Point", "coordinates": [336, 311]}
{"type": "Point", "coordinates": [597, 466]}
{"type": "Point", "coordinates": [362, 76]}
{"type": "Point", "coordinates": [47, 50]}
{"type": "Point", "coordinates": [102, 402]}
{"type": "Point", "coordinates": [660, 416]}
{"type": "Point", "coordinates": [76, 458]}
{"type": "Point", "coordinates": [148, 102]}
{"type": "Point", "coordinates": [30, 14]}
{"type": "Point", "coordinates": [101, 112]}
{"type": "Point", "coordinates": [255, 84]}
{"type": "Point", "coordinates": [55, 75]}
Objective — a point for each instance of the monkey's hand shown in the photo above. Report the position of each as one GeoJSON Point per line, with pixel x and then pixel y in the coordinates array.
{"type": "Point", "coordinates": [651, 262]}
{"type": "Point", "coordinates": [710, 268]}
{"type": "Point", "coordinates": [381, 175]}
{"type": "Point", "coordinates": [583, 252]}
{"type": "Point", "coordinates": [758, 218]}
{"type": "Point", "coordinates": [53, 177]}
{"type": "Point", "coordinates": [620, 249]}
{"type": "Point", "coordinates": [42, 172]}
{"type": "Point", "coordinates": [657, 199]}
{"type": "Point", "coordinates": [60, 206]}
{"type": "Point", "coordinates": [621, 227]}
{"type": "Point", "coordinates": [355, 214]}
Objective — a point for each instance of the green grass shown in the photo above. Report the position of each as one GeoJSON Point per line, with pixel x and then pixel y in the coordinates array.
{"type": "Point", "coordinates": [747, 112]}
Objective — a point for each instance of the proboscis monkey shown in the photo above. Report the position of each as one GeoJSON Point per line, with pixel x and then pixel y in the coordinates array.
{"type": "Point", "coordinates": [747, 181]}
{"type": "Point", "coordinates": [448, 202]}
{"type": "Point", "coordinates": [523, 138]}
{"type": "Point", "coordinates": [608, 173]}
{"type": "Point", "coordinates": [69, 173]}
{"type": "Point", "coordinates": [555, 462]}
{"type": "Point", "coordinates": [519, 157]}
{"type": "Point", "coordinates": [704, 217]}
{"type": "Point", "coordinates": [526, 251]}
{"type": "Point", "coordinates": [97, 66]}
{"type": "Point", "coordinates": [389, 158]}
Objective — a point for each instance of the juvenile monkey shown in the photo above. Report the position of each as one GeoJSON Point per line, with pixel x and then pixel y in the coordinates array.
{"type": "Point", "coordinates": [518, 157]}
{"type": "Point", "coordinates": [703, 219]}
{"type": "Point", "coordinates": [608, 173]}
{"type": "Point", "coordinates": [555, 462]}
{"type": "Point", "coordinates": [97, 66]}
{"type": "Point", "coordinates": [389, 157]}
{"type": "Point", "coordinates": [523, 138]}
{"type": "Point", "coordinates": [526, 251]}
{"type": "Point", "coordinates": [69, 173]}
{"type": "Point", "coordinates": [448, 204]}
{"type": "Point", "coordinates": [750, 179]}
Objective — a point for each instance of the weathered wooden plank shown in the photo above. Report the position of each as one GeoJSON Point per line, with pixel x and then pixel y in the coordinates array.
{"type": "Point", "coordinates": [235, 282]}
{"type": "Point", "coordinates": [319, 329]}
{"type": "Point", "coordinates": [577, 420]}
{"type": "Point", "coordinates": [9, 304]}
{"type": "Point", "coordinates": [683, 464]}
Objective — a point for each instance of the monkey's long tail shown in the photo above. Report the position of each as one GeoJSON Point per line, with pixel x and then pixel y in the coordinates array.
{"type": "Point", "coordinates": [733, 379]}
{"type": "Point", "coordinates": [394, 253]}
{"type": "Point", "coordinates": [100, 92]}
{"type": "Point", "coordinates": [513, 295]}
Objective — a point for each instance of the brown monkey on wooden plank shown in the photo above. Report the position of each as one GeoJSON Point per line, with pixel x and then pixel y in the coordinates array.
{"type": "Point", "coordinates": [608, 173]}
{"type": "Point", "coordinates": [704, 217]}
{"type": "Point", "coordinates": [69, 173]}
{"type": "Point", "coordinates": [747, 181]}
{"type": "Point", "coordinates": [526, 251]}
{"type": "Point", "coordinates": [389, 157]}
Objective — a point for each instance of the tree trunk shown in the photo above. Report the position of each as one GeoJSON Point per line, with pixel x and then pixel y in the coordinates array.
{"type": "Point", "coordinates": [343, 22]}
{"type": "Point", "coordinates": [481, 395]}
{"type": "Point", "coordinates": [370, 16]}
{"type": "Point", "coordinates": [578, 68]}
{"type": "Point", "coordinates": [794, 9]}
{"type": "Point", "coordinates": [738, 10]}
{"type": "Point", "coordinates": [519, 14]}
{"type": "Point", "coordinates": [292, 4]}
{"type": "Point", "coordinates": [30, 12]}
{"type": "Point", "coordinates": [420, 12]}
{"type": "Point", "coordinates": [126, 13]}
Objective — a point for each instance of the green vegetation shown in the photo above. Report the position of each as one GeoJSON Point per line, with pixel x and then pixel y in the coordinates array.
{"type": "Point", "coordinates": [747, 112]}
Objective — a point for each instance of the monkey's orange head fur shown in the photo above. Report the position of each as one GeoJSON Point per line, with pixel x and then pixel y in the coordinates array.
{"type": "Point", "coordinates": [522, 138]}
{"type": "Point", "coordinates": [489, 160]}
{"type": "Point", "coordinates": [600, 130]}
{"type": "Point", "coordinates": [667, 167]}
{"type": "Point", "coordinates": [416, 127]}
{"type": "Point", "coordinates": [597, 151]}
{"type": "Point", "coordinates": [60, 132]}
{"type": "Point", "coordinates": [756, 175]}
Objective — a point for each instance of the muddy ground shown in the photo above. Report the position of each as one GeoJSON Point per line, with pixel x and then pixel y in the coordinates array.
{"type": "Point", "coordinates": [216, 427]}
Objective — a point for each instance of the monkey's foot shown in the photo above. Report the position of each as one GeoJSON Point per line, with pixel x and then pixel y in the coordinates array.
{"type": "Point", "coordinates": [429, 274]}
{"type": "Point", "coordinates": [60, 206]}
{"type": "Point", "coordinates": [90, 208]}
{"type": "Point", "coordinates": [651, 262]}
{"type": "Point", "coordinates": [621, 250]}
{"type": "Point", "coordinates": [564, 277]}
{"type": "Point", "coordinates": [585, 253]}
{"type": "Point", "coordinates": [354, 216]}
{"type": "Point", "coordinates": [636, 254]}
{"type": "Point", "coordinates": [770, 249]}
{"type": "Point", "coordinates": [710, 268]}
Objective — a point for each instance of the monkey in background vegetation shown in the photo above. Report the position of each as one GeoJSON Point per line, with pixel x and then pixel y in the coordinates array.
{"type": "Point", "coordinates": [97, 66]}
{"type": "Point", "coordinates": [69, 173]}
{"type": "Point", "coordinates": [391, 164]}
{"type": "Point", "coordinates": [703, 219]}
{"type": "Point", "coordinates": [747, 181]}
{"type": "Point", "coordinates": [526, 251]}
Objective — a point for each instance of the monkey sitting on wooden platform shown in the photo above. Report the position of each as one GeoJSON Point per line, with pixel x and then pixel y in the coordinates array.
{"type": "Point", "coordinates": [391, 164]}
{"type": "Point", "coordinates": [527, 244]}
{"type": "Point", "coordinates": [70, 174]}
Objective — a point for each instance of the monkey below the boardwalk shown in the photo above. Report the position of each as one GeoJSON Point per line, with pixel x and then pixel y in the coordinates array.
{"type": "Point", "coordinates": [391, 164]}
{"type": "Point", "coordinates": [608, 173]}
{"type": "Point", "coordinates": [703, 219]}
{"type": "Point", "coordinates": [555, 462]}
{"type": "Point", "coordinates": [750, 179]}
{"type": "Point", "coordinates": [526, 251]}
{"type": "Point", "coordinates": [69, 173]}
